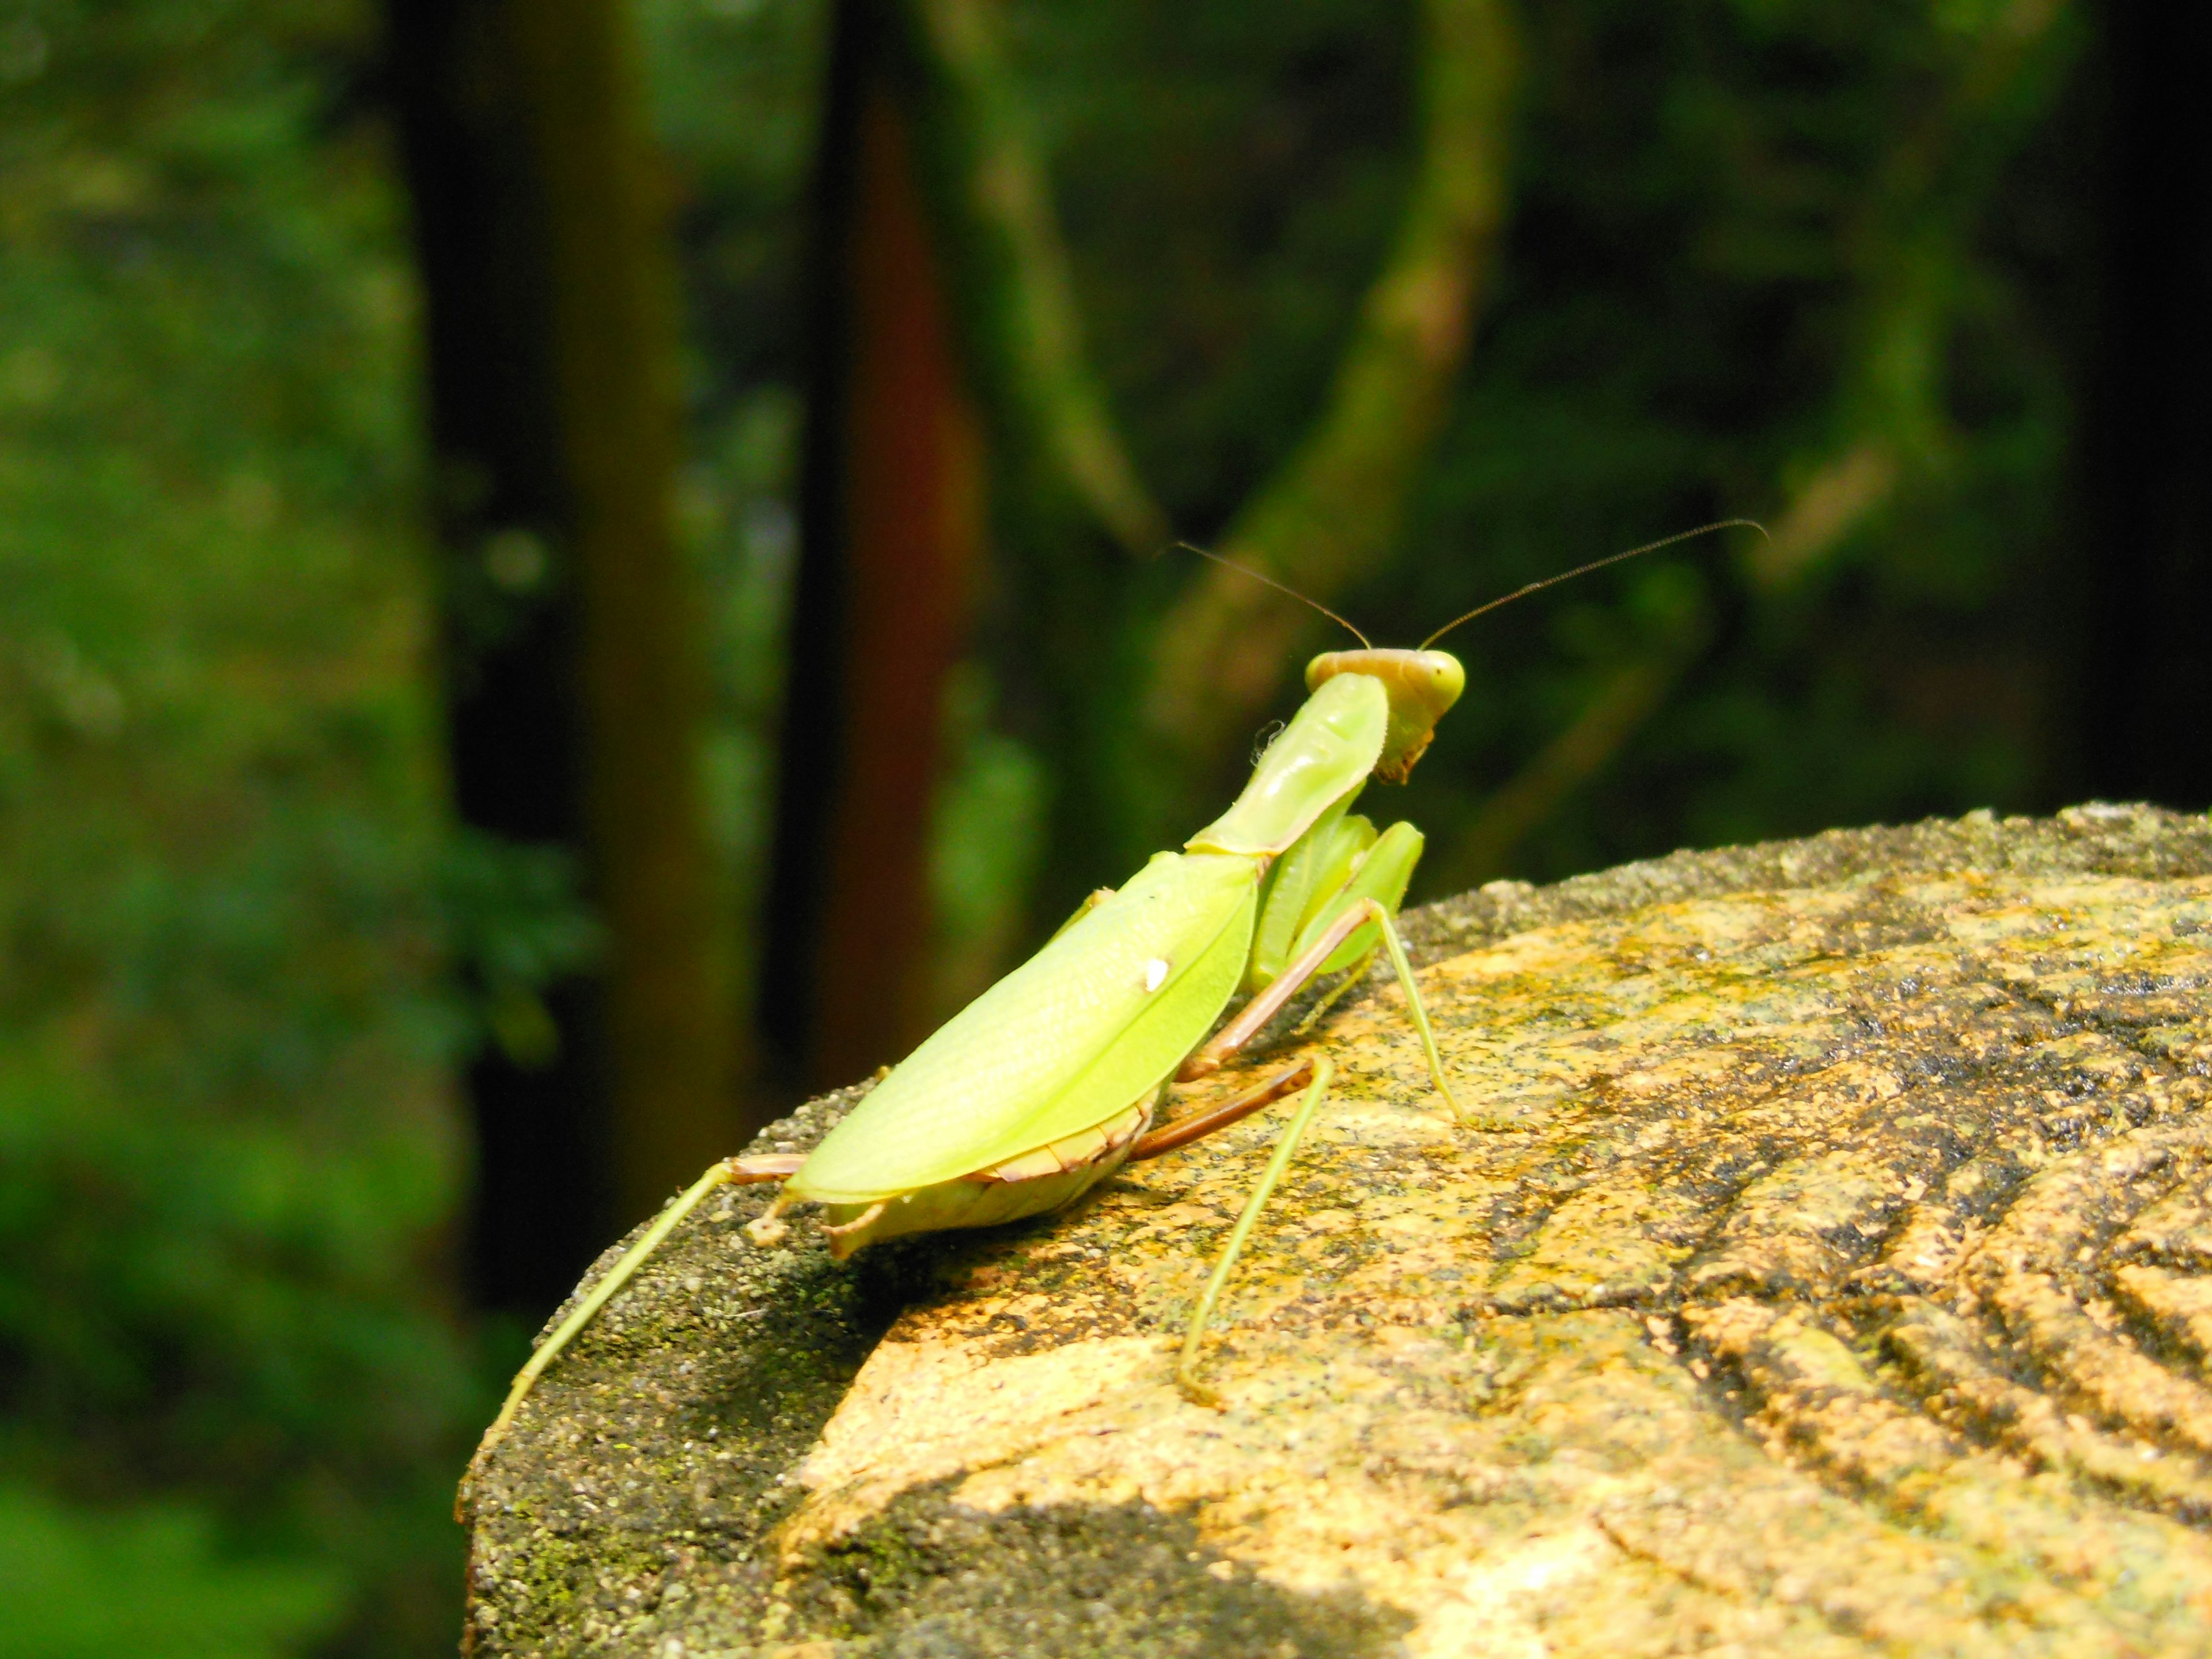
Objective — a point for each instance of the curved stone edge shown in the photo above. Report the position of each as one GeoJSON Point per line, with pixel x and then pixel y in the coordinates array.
{"type": "Point", "coordinates": [2095, 838]}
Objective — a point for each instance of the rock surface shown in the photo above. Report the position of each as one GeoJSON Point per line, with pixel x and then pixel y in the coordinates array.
{"type": "Point", "coordinates": [1842, 1286]}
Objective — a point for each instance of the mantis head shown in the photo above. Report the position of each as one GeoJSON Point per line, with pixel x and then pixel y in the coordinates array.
{"type": "Point", "coordinates": [1422, 685]}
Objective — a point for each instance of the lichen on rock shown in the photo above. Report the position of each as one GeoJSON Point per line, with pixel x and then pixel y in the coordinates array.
{"type": "Point", "coordinates": [1841, 1284]}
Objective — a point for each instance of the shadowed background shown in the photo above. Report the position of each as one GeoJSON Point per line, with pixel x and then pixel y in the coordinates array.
{"type": "Point", "coordinates": [572, 572]}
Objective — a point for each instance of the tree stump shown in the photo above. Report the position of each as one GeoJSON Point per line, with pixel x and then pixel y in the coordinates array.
{"type": "Point", "coordinates": [1840, 1283]}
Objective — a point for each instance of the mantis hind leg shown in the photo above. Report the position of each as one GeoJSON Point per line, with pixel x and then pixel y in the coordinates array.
{"type": "Point", "coordinates": [731, 1171]}
{"type": "Point", "coordinates": [1293, 1133]}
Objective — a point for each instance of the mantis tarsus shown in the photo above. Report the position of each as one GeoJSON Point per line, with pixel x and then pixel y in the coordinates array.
{"type": "Point", "coordinates": [1050, 1081]}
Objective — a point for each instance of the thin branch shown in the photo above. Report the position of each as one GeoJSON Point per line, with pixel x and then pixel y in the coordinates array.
{"type": "Point", "coordinates": [1921, 197]}
{"type": "Point", "coordinates": [1036, 326]}
{"type": "Point", "coordinates": [1334, 507]}
{"type": "Point", "coordinates": [1830, 504]}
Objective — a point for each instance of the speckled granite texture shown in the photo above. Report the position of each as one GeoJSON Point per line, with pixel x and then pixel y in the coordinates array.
{"type": "Point", "coordinates": [1841, 1284]}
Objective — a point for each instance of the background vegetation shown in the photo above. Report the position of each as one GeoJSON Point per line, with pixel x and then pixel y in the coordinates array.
{"type": "Point", "coordinates": [1829, 264]}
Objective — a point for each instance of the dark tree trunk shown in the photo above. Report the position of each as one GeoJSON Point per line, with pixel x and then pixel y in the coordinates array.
{"type": "Point", "coordinates": [571, 654]}
{"type": "Point", "coordinates": [893, 514]}
{"type": "Point", "coordinates": [2148, 434]}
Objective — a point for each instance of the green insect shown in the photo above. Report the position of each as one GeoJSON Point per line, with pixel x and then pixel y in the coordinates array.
{"type": "Point", "coordinates": [1052, 1079]}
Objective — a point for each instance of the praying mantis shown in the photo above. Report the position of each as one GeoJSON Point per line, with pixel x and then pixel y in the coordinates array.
{"type": "Point", "coordinates": [1051, 1080]}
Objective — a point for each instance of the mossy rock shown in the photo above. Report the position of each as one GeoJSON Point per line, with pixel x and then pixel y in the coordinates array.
{"type": "Point", "coordinates": [1838, 1283]}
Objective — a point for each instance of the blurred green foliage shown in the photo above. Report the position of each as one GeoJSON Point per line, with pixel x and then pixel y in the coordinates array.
{"type": "Point", "coordinates": [1810, 262]}
{"type": "Point", "coordinates": [228, 1152]}
{"type": "Point", "coordinates": [1760, 243]}
{"type": "Point", "coordinates": [148, 1583]}
{"type": "Point", "coordinates": [1760, 248]}
{"type": "Point", "coordinates": [1796, 260]}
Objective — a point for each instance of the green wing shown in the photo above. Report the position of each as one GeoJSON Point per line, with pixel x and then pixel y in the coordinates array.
{"type": "Point", "coordinates": [1079, 1032]}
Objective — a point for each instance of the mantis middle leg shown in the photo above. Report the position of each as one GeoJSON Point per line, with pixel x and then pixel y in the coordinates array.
{"type": "Point", "coordinates": [1361, 911]}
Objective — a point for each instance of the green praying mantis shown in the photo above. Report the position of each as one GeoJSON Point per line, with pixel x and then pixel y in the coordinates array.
{"type": "Point", "coordinates": [1051, 1080]}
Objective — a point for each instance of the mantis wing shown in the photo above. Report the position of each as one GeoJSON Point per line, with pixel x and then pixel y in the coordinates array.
{"type": "Point", "coordinates": [1094, 1021]}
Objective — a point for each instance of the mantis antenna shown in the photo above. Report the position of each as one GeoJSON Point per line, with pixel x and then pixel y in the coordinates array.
{"type": "Point", "coordinates": [1521, 592]}
{"type": "Point", "coordinates": [1280, 587]}
{"type": "Point", "coordinates": [1524, 592]}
